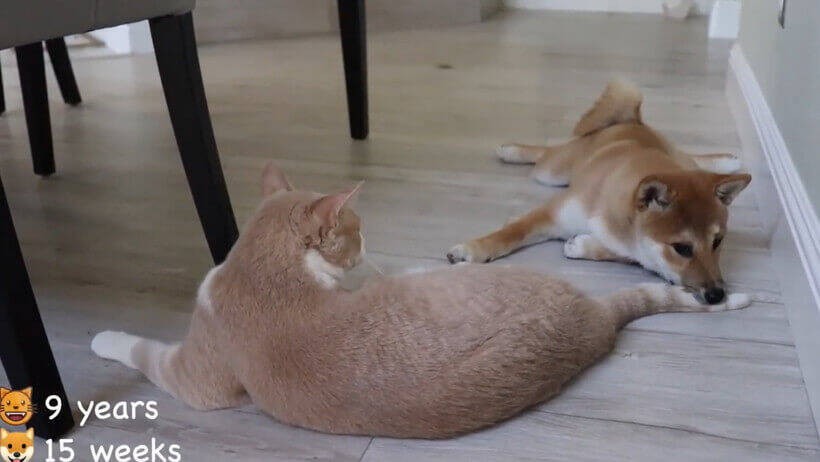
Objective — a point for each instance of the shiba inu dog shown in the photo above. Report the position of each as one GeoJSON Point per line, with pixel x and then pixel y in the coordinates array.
{"type": "Point", "coordinates": [18, 446]}
{"type": "Point", "coordinates": [426, 355]}
{"type": "Point", "coordinates": [15, 406]}
{"type": "Point", "coordinates": [631, 197]}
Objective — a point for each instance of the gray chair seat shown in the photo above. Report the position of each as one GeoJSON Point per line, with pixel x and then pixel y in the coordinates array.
{"type": "Point", "coordinates": [28, 21]}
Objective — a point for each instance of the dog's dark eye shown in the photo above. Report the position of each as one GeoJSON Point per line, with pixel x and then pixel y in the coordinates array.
{"type": "Point", "coordinates": [717, 242]}
{"type": "Point", "coordinates": [9, 446]}
{"type": "Point", "coordinates": [24, 445]}
{"type": "Point", "coordinates": [684, 250]}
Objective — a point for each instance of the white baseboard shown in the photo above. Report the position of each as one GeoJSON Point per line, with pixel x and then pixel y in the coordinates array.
{"type": "Point", "coordinates": [796, 233]}
{"type": "Point", "coordinates": [702, 7]}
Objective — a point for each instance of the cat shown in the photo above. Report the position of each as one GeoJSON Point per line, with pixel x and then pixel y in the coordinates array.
{"type": "Point", "coordinates": [15, 406]}
{"type": "Point", "coordinates": [427, 355]}
{"type": "Point", "coordinates": [18, 446]}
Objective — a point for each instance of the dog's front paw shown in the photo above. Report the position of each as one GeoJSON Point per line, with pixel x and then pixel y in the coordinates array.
{"type": "Point", "coordinates": [734, 302]}
{"type": "Point", "coordinates": [574, 247]}
{"type": "Point", "coordinates": [467, 252]}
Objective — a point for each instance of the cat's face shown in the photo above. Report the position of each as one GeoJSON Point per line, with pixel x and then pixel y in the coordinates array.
{"type": "Point", "coordinates": [15, 406]}
{"type": "Point", "coordinates": [324, 223]}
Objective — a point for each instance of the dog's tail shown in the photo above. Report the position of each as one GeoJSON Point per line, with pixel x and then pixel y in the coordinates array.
{"type": "Point", "coordinates": [619, 103]}
{"type": "Point", "coordinates": [654, 298]}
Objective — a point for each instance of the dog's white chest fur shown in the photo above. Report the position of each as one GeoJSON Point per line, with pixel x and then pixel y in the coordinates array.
{"type": "Point", "coordinates": [325, 273]}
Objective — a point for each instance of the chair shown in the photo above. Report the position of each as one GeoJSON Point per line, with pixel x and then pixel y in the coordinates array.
{"type": "Point", "coordinates": [24, 348]}
{"type": "Point", "coordinates": [61, 64]}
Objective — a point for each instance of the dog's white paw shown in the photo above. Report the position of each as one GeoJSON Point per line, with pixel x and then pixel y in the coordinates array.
{"type": "Point", "coordinates": [469, 252]}
{"type": "Point", "coordinates": [738, 301]}
{"type": "Point", "coordinates": [459, 253]}
{"type": "Point", "coordinates": [115, 345]}
{"type": "Point", "coordinates": [546, 177]}
{"type": "Point", "coordinates": [510, 153]}
{"type": "Point", "coordinates": [575, 247]}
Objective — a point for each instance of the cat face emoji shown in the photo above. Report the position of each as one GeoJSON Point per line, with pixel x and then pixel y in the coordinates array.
{"type": "Point", "coordinates": [16, 447]}
{"type": "Point", "coordinates": [15, 406]}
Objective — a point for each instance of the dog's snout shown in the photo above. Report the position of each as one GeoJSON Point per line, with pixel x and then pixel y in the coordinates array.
{"type": "Point", "coordinates": [714, 295]}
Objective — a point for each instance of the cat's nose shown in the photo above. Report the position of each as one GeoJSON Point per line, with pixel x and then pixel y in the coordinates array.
{"type": "Point", "coordinates": [16, 407]}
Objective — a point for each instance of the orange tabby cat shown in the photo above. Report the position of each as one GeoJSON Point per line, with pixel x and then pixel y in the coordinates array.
{"type": "Point", "coordinates": [426, 355]}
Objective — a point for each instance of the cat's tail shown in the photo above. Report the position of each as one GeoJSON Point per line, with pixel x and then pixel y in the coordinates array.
{"type": "Point", "coordinates": [649, 299]}
{"type": "Point", "coordinates": [151, 357]}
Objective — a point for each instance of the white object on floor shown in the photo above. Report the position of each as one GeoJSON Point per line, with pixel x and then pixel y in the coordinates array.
{"type": "Point", "coordinates": [679, 11]}
{"type": "Point", "coordinates": [724, 22]}
{"type": "Point", "coordinates": [126, 38]}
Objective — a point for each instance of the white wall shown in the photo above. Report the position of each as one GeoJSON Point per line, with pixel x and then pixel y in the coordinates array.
{"type": "Point", "coordinates": [786, 63]}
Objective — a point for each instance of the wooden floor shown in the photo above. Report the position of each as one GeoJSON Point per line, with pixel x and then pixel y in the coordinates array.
{"type": "Point", "coordinates": [113, 242]}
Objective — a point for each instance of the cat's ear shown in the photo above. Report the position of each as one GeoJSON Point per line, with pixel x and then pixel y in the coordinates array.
{"type": "Point", "coordinates": [327, 208]}
{"type": "Point", "coordinates": [30, 433]}
{"type": "Point", "coordinates": [274, 179]}
{"type": "Point", "coordinates": [3, 392]}
{"type": "Point", "coordinates": [27, 392]}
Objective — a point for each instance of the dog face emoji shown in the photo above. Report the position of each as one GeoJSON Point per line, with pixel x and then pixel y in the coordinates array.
{"type": "Point", "coordinates": [15, 406]}
{"type": "Point", "coordinates": [16, 447]}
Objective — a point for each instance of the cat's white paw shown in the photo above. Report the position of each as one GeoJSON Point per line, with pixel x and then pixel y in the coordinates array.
{"type": "Point", "coordinates": [115, 345]}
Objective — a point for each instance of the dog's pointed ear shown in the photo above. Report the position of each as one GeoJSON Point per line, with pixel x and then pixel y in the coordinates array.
{"type": "Point", "coordinates": [327, 208]}
{"type": "Point", "coordinates": [728, 187]}
{"type": "Point", "coordinates": [273, 179]}
{"type": "Point", "coordinates": [30, 433]}
{"type": "Point", "coordinates": [653, 193]}
{"type": "Point", "coordinates": [4, 433]}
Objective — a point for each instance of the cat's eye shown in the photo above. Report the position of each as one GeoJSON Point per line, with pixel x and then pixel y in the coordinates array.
{"type": "Point", "coordinates": [684, 250]}
{"type": "Point", "coordinates": [8, 403]}
{"type": "Point", "coordinates": [717, 242]}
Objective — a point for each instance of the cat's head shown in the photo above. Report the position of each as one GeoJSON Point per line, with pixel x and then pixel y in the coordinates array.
{"type": "Point", "coordinates": [16, 407]}
{"type": "Point", "coordinates": [323, 225]}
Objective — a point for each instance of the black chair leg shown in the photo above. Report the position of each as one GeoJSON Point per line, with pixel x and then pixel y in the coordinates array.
{"type": "Point", "coordinates": [63, 71]}
{"type": "Point", "coordinates": [35, 101]}
{"type": "Point", "coordinates": [2, 97]}
{"type": "Point", "coordinates": [175, 48]}
{"type": "Point", "coordinates": [24, 347]}
{"type": "Point", "coordinates": [354, 49]}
